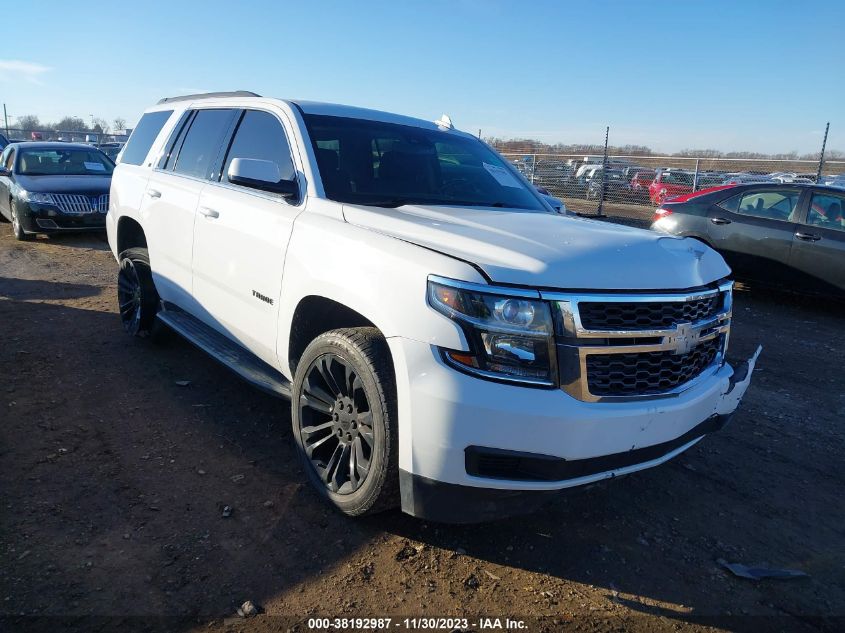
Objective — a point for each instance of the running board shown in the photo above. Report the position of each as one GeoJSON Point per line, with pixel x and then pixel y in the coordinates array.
{"type": "Point", "coordinates": [240, 360]}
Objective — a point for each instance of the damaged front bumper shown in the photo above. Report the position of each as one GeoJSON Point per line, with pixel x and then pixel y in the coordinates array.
{"type": "Point", "coordinates": [737, 385]}
{"type": "Point", "coordinates": [474, 494]}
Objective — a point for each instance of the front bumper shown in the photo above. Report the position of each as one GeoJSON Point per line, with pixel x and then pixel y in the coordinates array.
{"type": "Point", "coordinates": [448, 418]}
{"type": "Point", "coordinates": [38, 218]}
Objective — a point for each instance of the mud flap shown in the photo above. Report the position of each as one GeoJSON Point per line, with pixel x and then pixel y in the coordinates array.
{"type": "Point", "coordinates": [737, 385]}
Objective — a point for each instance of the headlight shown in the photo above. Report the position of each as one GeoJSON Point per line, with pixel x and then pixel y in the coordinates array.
{"type": "Point", "coordinates": [34, 196]}
{"type": "Point", "coordinates": [510, 337]}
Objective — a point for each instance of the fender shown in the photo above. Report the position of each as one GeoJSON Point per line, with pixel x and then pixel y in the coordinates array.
{"type": "Point", "coordinates": [380, 277]}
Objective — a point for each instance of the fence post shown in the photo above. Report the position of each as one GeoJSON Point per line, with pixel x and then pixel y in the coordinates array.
{"type": "Point", "coordinates": [533, 166]}
{"type": "Point", "coordinates": [600, 209]}
{"type": "Point", "coordinates": [821, 157]}
{"type": "Point", "coordinates": [695, 178]}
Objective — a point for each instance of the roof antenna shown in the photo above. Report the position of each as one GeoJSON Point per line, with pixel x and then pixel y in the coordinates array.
{"type": "Point", "coordinates": [445, 122]}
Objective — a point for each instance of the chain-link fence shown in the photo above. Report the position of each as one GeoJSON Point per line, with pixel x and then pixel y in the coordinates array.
{"type": "Point", "coordinates": [71, 136]}
{"type": "Point", "coordinates": [622, 186]}
{"type": "Point", "coordinates": [632, 186]}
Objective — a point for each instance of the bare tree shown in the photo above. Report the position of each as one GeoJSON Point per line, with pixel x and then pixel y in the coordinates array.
{"type": "Point", "coordinates": [29, 122]}
{"type": "Point", "coordinates": [118, 124]}
{"type": "Point", "coordinates": [70, 123]}
{"type": "Point", "coordinates": [101, 126]}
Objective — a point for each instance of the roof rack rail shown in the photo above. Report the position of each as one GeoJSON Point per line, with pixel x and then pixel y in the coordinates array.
{"type": "Point", "coordinates": [201, 95]}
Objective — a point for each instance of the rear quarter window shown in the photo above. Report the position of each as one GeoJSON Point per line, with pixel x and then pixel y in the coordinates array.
{"type": "Point", "coordinates": [143, 137]}
{"type": "Point", "coordinates": [731, 204]}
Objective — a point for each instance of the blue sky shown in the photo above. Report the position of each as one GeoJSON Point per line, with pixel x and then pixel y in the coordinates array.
{"type": "Point", "coordinates": [741, 75]}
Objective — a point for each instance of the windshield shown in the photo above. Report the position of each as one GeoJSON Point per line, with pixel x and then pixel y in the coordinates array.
{"type": "Point", "coordinates": [64, 162]}
{"type": "Point", "coordinates": [386, 164]}
{"type": "Point", "coordinates": [676, 178]}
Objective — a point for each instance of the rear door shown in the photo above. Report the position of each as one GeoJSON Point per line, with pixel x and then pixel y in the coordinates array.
{"type": "Point", "coordinates": [241, 236]}
{"type": "Point", "coordinates": [172, 196]}
{"type": "Point", "coordinates": [754, 231]}
{"type": "Point", "coordinates": [818, 247]}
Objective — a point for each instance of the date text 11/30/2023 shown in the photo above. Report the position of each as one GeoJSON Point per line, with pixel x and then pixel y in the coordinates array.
{"type": "Point", "coordinates": [413, 624]}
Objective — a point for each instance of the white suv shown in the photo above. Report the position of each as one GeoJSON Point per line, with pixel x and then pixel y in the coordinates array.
{"type": "Point", "coordinates": [448, 342]}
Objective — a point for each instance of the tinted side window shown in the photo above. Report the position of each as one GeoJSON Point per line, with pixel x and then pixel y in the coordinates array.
{"type": "Point", "coordinates": [168, 156]}
{"type": "Point", "coordinates": [827, 211]}
{"type": "Point", "coordinates": [8, 158]}
{"type": "Point", "coordinates": [261, 136]}
{"type": "Point", "coordinates": [202, 142]}
{"type": "Point", "coordinates": [143, 137]}
{"type": "Point", "coordinates": [774, 205]}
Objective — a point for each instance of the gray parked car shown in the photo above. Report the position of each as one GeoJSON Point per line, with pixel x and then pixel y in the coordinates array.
{"type": "Point", "coordinates": [788, 234]}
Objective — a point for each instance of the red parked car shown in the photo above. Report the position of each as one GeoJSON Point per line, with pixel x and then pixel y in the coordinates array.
{"type": "Point", "coordinates": [668, 184]}
{"type": "Point", "coordinates": [642, 181]}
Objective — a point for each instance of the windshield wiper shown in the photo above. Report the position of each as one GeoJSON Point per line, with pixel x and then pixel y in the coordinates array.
{"type": "Point", "coordinates": [390, 203]}
{"type": "Point", "coordinates": [467, 203]}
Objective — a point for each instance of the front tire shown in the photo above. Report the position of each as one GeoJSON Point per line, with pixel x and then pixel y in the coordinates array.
{"type": "Point", "coordinates": [17, 229]}
{"type": "Point", "coordinates": [136, 294]}
{"type": "Point", "coordinates": [343, 413]}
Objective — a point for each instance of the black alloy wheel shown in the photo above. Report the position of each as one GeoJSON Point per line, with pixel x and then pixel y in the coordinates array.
{"type": "Point", "coordinates": [343, 417]}
{"type": "Point", "coordinates": [137, 298]}
{"type": "Point", "coordinates": [129, 296]}
{"type": "Point", "coordinates": [336, 424]}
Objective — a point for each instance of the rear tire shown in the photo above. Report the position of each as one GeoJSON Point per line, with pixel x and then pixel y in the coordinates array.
{"type": "Point", "coordinates": [343, 414]}
{"type": "Point", "coordinates": [137, 298]}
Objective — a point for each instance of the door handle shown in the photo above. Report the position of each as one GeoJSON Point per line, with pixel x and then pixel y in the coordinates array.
{"type": "Point", "coordinates": [154, 193]}
{"type": "Point", "coordinates": [807, 237]}
{"type": "Point", "coordinates": [720, 221]}
{"type": "Point", "coordinates": [209, 213]}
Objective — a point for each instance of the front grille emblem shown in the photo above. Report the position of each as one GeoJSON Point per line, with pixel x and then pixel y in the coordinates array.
{"type": "Point", "coordinates": [683, 339]}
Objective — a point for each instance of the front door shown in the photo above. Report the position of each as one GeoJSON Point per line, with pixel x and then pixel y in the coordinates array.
{"type": "Point", "coordinates": [754, 229]}
{"type": "Point", "coordinates": [240, 240]}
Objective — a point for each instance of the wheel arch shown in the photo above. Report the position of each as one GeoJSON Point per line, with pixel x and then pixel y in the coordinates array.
{"type": "Point", "coordinates": [704, 240]}
{"type": "Point", "coordinates": [130, 234]}
{"type": "Point", "coordinates": [315, 315]}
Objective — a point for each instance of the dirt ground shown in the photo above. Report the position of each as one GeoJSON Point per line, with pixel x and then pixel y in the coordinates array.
{"type": "Point", "coordinates": [113, 480]}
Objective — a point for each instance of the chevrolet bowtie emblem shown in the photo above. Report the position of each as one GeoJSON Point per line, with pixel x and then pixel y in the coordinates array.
{"type": "Point", "coordinates": [684, 338]}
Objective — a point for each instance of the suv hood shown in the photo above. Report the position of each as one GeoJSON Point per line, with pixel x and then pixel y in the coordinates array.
{"type": "Point", "coordinates": [546, 250]}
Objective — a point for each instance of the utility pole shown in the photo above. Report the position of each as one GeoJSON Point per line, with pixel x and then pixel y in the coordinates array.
{"type": "Point", "coordinates": [6, 120]}
{"type": "Point", "coordinates": [821, 157]}
{"type": "Point", "coordinates": [600, 210]}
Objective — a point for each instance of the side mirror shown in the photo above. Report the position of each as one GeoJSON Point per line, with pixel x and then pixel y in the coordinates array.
{"type": "Point", "coordinates": [263, 175]}
{"type": "Point", "coordinates": [4, 172]}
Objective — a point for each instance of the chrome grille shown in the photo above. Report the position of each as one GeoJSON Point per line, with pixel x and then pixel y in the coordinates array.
{"type": "Point", "coordinates": [79, 204]}
{"type": "Point", "coordinates": [645, 315]}
{"type": "Point", "coordinates": [648, 373]}
{"type": "Point", "coordinates": [617, 346]}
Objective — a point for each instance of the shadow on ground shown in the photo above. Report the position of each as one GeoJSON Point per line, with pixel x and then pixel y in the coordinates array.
{"type": "Point", "coordinates": [35, 289]}
{"type": "Point", "coordinates": [114, 479]}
